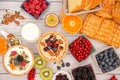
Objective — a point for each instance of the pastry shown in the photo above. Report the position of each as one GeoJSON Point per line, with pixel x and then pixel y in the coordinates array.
{"type": "Point", "coordinates": [18, 60]}
{"type": "Point", "coordinates": [106, 11]}
{"type": "Point", "coordinates": [52, 46]}
{"type": "Point", "coordinates": [105, 31]}
{"type": "Point", "coordinates": [116, 12]}
{"type": "Point", "coordinates": [91, 25]}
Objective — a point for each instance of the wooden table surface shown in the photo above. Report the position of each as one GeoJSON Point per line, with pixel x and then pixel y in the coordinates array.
{"type": "Point", "coordinates": [54, 7]}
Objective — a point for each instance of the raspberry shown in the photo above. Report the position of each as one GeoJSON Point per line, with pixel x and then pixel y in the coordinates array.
{"type": "Point", "coordinates": [23, 63]}
{"type": "Point", "coordinates": [13, 53]}
{"type": "Point", "coordinates": [31, 74]}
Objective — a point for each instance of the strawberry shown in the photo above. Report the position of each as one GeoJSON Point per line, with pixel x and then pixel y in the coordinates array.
{"type": "Point", "coordinates": [113, 78]}
{"type": "Point", "coordinates": [13, 53]}
{"type": "Point", "coordinates": [23, 63]}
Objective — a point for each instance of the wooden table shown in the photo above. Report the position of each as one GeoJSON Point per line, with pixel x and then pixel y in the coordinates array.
{"type": "Point", "coordinates": [54, 7]}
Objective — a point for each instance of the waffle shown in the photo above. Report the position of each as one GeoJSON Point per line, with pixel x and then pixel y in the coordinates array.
{"type": "Point", "coordinates": [116, 12]}
{"type": "Point", "coordinates": [106, 30]}
{"type": "Point", "coordinates": [91, 25]}
{"type": "Point", "coordinates": [106, 11]}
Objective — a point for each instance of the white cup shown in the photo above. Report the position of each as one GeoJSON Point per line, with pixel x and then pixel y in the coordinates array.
{"type": "Point", "coordinates": [30, 32]}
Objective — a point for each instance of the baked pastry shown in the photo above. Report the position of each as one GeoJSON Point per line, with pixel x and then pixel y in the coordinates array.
{"type": "Point", "coordinates": [105, 31]}
{"type": "Point", "coordinates": [91, 25]}
{"type": "Point", "coordinates": [116, 12]}
{"type": "Point", "coordinates": [106, 11]}
{"type": "Point", "coordinates": [18, 60]}
{"type": "Point", "coordinates": [52, 46]}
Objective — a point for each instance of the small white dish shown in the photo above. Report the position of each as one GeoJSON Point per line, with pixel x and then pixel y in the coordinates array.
{"type": "Point", "coordinates": [62, 72]}
{"type": "Point", "coordinates": [30, 32]}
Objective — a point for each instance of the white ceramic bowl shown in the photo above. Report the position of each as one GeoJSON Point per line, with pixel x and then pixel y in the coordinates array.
{"type": "Point", "coordinates": [62, 72]}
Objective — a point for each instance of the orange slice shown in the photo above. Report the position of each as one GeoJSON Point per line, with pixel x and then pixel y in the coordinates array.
{"type": "Point", "coordinates": [3, 46]}
{"type": "Point", "coordinates": [72, 24]}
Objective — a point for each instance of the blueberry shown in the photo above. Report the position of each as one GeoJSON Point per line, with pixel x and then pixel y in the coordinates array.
{"type": "Point", "coordinates": [63, 65]}
{"type": "Point", "coordinates": [58, 67]}
{"type": "Point", "coordinates": [54, 49]}
{"type": "Point", "coordinates": [109, 63]}
{"type": "Point", "coordinates": [67, 64]}
{"type": "Point", "coordinates": [102, 63]}
{"type": "Point", "coordinates": [107, 60]}
{"type": "Point", "coordinates": [49, 47]}
{"type": "Point", "coordinates": [111, 68]}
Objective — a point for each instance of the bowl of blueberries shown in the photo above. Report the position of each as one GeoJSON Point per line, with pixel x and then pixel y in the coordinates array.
{"type": "Point", "coordinates": [107, 59]}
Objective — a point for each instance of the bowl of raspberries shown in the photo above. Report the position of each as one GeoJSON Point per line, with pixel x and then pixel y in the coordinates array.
{"type": "Point", "coordinates": [35, 7]}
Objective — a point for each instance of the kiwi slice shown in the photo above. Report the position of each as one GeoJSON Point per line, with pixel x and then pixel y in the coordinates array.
{"type": "Point", "coordinates": [46, 74]}
{"type": "Point", "coordinates": [39, 62]}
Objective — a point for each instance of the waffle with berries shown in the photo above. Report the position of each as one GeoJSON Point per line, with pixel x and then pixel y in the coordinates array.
{"type": "Point", "coordinates": [52, 46]}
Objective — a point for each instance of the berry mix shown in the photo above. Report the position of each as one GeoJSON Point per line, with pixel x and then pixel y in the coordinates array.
{"type": "Point", "coordinates": [35, 7]}
{"type": "Point", "coordinates": [108, 60]}
{"type": "Point", "coordinates": [80, 48]}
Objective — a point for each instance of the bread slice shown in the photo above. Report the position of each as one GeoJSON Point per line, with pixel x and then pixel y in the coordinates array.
{"type": "Point", "coordinates": [88, 4]}
{"type": "Point", "coordinates": [81, 4]}
{"type": "Point", "coordinates": [72, 5]}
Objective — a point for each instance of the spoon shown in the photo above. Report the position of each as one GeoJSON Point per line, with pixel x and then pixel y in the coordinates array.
{"type": "Point", "coordinates": [11, 39]}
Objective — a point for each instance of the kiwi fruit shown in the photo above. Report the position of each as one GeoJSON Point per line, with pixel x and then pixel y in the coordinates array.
{"type": "Point", "coordinates": [39, 62]}
{"type": "Point", "coordinates": [46, 74]}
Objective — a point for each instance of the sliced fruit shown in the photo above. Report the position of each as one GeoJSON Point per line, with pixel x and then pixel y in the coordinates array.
{"type": "Point", "coordinates": [46, 74]}
{"type": "Point", "coordinates": [12, 66]}
{"type": "Point", "coordinates": [51, 20]}
{"type": "Point", "coordinates": [72, 24]}
{"type": "Point", "coordinates": [39, 62]}
{"type": "Point", "coordinates": [3, 46]}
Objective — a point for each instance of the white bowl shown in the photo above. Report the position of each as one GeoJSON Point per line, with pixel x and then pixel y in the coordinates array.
{"type": "Point", "coordinates": [62, 72]}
